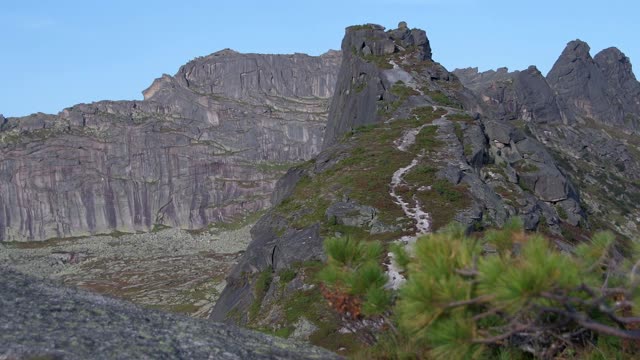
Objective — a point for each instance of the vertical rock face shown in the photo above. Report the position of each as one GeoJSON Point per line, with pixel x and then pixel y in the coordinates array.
{"type": "Point", "coordinates": [586, 111]}
{"type": "Point", "coordinates": [621, 84]}
{"type": "Point", "coordinates": [580, 85]}
{"type": "Point", "coordinates": [363, 85]}
{"type": "Point", "coordinates": [207, 144]}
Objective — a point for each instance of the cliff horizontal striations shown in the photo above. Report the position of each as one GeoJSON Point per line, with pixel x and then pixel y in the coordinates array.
{"type": "Point", "coordinates": [206, 145]}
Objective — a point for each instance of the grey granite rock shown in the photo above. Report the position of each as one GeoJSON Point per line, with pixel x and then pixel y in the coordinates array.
{"type": "Point", "coordinates": [43, 320]}
{"type": "Point", "coordinates": [577, 88]}
{"type": "Point", "coordinates": [285, 185]}
{"type": "Point", "coordinates": [622, 84]}
{"type": "Point", "coordinates": [385, 84]}
{"type": "Point", "coordinates": [589, 127]}
{"type": "Point", "coordinates": [580, 85]}
{"type": "Point", "coordinates": [503, 170]}
{"type": "Point", "coordinates": [206, 145]}
{"type": "Point", "coordinates": [513, 95]}
{"type": "Point", "coordinates": [275, 245]}
{"type": "Point", "coordinates": [351, 214]}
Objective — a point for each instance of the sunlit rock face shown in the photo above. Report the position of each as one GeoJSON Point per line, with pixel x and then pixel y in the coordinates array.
{"type": "Point", "coordinates": [205, 145]}
{"type": "Point", "coordinates": [586, 112]}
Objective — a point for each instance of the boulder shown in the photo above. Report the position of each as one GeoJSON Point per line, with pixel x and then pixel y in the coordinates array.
{"type": "Point", "coordinates": [41, 319]}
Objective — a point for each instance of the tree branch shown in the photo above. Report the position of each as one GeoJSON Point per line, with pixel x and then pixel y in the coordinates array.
{"type": "Point", "coordinates": [477, 300]}
{"type": "Point", "coordinates": [498, 338]}
{"type": "Point", "coordinates": [587, 323]}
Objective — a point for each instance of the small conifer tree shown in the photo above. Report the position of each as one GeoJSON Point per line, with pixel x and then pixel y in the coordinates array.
{"type": "Point", "coordinates": [496, 296]}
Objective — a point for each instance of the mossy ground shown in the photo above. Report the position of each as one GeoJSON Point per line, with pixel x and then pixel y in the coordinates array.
{"type": "Point", "coordinates": [441, 98]}
{"type": "Point", "coordinates": [363, 175]}
{"type": "Point", "coordinates": [402, 92]}
{"type": "Point", "coordinates": [309, 304]}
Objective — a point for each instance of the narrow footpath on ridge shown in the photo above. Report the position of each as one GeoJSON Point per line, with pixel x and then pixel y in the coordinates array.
{"type": "Point", "coordinates": [415, 211]}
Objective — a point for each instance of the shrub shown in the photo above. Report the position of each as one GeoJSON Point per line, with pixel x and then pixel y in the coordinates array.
{"type": "Point", "coordinates": [259, 291]}
{"type": "Point", "coordinates": [441, 98]}
{"type": "Point", "coordinates": [507, 294]}
{"type": "Point", "coordinates": [461, 301]}
{"type": "Point", "coordinates": [353, 277]}
{"type": "Point", "coordinates": [287, 275]}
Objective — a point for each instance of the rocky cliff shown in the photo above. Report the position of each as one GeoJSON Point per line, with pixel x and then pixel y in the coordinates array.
{"type": "Point", "coordinates": [585, 112]}
{"type": "Point", "coordinates": [407, 150]}
{"type": "Point", "coordinates": [206, 145]}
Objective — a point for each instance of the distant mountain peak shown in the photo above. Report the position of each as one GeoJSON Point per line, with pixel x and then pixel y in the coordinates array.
{"type": "Point", "coordinates": [577, 47]}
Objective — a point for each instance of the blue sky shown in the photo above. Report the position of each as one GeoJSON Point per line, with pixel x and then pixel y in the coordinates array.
{"type": "Point", "coordinates": [54, 54]}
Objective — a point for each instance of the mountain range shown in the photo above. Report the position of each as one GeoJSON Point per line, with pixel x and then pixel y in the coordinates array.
{"type": "Point", "coordinates": [377, 140]}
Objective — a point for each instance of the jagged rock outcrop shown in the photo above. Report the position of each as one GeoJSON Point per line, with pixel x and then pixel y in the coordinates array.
{"type": "Point", "coordinates": [587, 111]}
{"type": "Point", "coordinates": [578, 88]}
{"type": "Point", "coordinates": [206, 145]}
{"type": "Point", "coordinates": [513, 95]}
{"type": "Point", "coordinates": [41, 319]}
{"type": "Point", "coordinates": [581, 86]}
{"type": "Point", "coordinates": [622, 83]}
{"type": "Point", "coordinates": [364, 86]}
{"type": "Point", "coordinates": [406, 148]}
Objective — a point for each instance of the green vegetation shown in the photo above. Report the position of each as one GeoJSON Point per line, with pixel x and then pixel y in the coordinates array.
{"type": "Point", "coordinates": [458, 131]}
{"type": "Point", "coordinates": [523, 185]}
{"type": "Point", "coordinates": [426, 113]}
{"type": "Point", "coordinates": [444, 199]}
{"type": "Point", "coordinates": [273, 167]}
{"type": "Point", "coordinates": [236, 223]}
{"type": "Point", "coordinates": [562, 213]}
{"type": "Point", "coordinates": [306, 303]}
{"type": "Point", "coordinates": [426, 139]}
{"type": "Point", "coordinates": [525, 166]}
{"type": "Point", "coordinates": [441, 98]}
{"type": "Point", "coordinates": [355, 280]}
{"type": "Point", "coordinates": [402, 93]}
{"type": "Point", "coordinates": [401, 90]}
{"type": "Point", "coordinates": [461, 301]}
{"type": "Point", "coordinates": [466, 118]}
{"type": "Point", "coordinates": [360, 27]}
{"type": "Point", "coordinates": [371, 150]}
{"type": "Point", "coordinates": [360, 86]}
{"type": "Point", "coordinates": [468, 150]}
{"type": "Point", "coordinates": [159, 227]}
{"type": "Point", "coordinates": [354, 276]}
{"type": "Point", "coordinates": [287, 275]}
{"type": "Point", "coordinates": [259, 291]}
{"type": "Point", "coordinates": [380, 61]}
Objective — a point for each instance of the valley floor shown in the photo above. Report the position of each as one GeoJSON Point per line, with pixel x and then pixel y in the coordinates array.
{"type": "Point", "coordinates": [170, 269]}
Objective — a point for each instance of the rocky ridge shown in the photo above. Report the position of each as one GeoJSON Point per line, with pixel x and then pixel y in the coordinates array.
{"type": "Point", "coordinates": [465, 164]}
{"type": "Point", "coordinates": [584, 111]}
{"type": "Point", "coordinates": [206, 145]}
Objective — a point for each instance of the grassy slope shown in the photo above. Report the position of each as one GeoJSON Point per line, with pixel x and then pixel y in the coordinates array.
{"type": "Point", "coordinates": [363, 175]}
